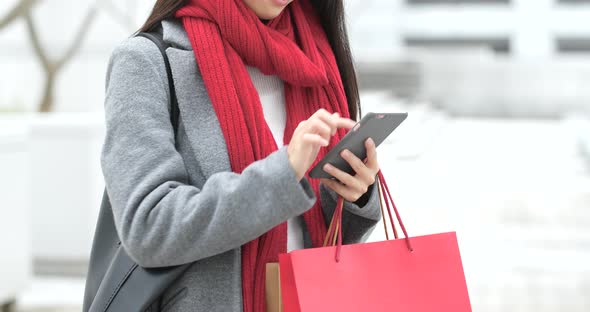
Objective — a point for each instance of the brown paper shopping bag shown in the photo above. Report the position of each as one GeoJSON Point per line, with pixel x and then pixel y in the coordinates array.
{"type": "Point", "coordinates": [273, 288]}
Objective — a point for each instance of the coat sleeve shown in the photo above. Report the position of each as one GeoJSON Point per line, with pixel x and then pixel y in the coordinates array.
{"type": "Point", "coordinates": [358, 218]}
{"type": "Point", "coordinates": [160, 219]}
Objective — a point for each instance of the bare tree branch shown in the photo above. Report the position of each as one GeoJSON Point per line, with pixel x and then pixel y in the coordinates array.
{"type": "Point", "coordinates": [21, 8]}
{"type": "Point", "coordinates": [37, 46]}
{"type": "Point", "coordinates": [50, 66]}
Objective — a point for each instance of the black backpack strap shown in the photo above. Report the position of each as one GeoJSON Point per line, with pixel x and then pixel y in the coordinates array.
{"type": "Point", "coordinates": [157, 38]}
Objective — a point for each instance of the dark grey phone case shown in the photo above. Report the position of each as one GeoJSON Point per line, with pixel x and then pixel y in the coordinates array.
{"type": "Point", "coordinates": [377, 126]}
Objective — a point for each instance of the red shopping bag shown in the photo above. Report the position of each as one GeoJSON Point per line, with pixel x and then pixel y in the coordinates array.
{"type": "Point", "coordinates": [414, 274]}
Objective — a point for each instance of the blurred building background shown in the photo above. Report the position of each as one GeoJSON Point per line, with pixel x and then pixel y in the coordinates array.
{"type": "Point", "coordinates": [496, 146]}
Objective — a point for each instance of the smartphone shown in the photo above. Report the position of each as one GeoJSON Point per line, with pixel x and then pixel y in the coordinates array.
{"type": "Point", "coordinates": [377, 126]}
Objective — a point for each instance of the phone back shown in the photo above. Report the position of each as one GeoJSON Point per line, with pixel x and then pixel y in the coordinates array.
{"type": "Point", "coordinates": [377, 126]}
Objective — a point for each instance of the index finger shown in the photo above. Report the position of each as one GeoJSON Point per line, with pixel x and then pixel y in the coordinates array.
{"type": "Point", "coordinates": [330, 119]}
{"type": "Point", "coordinates": [334, 120]}
{"type": "Point", "coordinates": [345, 123]}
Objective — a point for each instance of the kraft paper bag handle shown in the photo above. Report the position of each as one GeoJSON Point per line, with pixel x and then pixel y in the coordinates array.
{"type": "Point", "coordinates": [334, 233]}
{"type": "Point", "coordinates": [334, 224]}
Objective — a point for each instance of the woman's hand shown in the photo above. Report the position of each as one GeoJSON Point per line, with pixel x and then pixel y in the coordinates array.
{"type": "Point", "coordinates": [351, 188]}
{"type": "Point", "coordinates": [312, 134]}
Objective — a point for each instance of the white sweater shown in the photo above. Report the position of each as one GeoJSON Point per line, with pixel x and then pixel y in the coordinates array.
{"type": "Point", "coordinates": [272, 96]}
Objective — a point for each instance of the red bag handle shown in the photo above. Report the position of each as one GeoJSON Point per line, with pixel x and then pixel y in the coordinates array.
{"type": "Point", "coordinates": [383, 184]}
{"type": "Point", "coordinates": [381, 200]}
{"type": "Point", "coordinates": [335, 228]}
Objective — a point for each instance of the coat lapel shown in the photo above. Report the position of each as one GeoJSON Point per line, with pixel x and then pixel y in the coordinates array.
{"type": "Point", "coordinates": [196, 111]}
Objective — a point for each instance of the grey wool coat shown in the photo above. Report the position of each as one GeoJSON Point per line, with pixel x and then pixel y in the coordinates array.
{"type": "Point", "coordinates": [177, 202]}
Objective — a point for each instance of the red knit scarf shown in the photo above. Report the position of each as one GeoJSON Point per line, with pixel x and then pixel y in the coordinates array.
{"type": "Point", "coordinates": [226, 35]}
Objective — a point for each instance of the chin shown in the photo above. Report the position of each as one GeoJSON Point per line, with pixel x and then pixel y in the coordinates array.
{"type": "Point", "coordinates": [266, 9]}
{"type": "Point", "coordinates": [270, 14]}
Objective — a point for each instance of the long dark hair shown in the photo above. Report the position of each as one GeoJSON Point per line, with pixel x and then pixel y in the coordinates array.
{"type": "Point", "coordinates": [331, 13]}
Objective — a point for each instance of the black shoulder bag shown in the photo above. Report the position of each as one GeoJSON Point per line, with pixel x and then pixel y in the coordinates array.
{"type": "Point", "coordinates": [115, 283]}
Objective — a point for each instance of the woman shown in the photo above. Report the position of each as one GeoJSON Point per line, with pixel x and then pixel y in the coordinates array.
{"type": "Point", "coordinates": [264, 88]}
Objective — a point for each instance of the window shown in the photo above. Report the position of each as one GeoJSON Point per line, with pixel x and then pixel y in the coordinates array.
{"type": "Point", "coordinates": [573, 45]}
{"type": "Point", "coordinates": [498, 45]}
{"type": "Point", "coordinates": [574, 1]}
